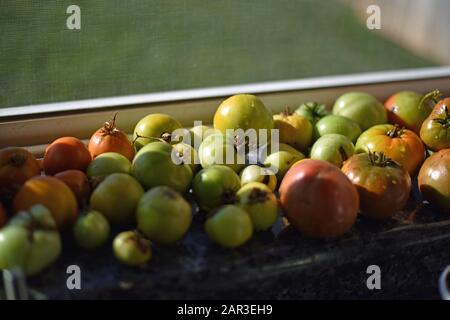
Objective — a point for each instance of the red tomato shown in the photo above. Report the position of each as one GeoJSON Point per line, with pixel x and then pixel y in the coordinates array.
{"type": "Point", "coordinates": [400, 145]}
{"type": "Point", "coordinates": [3, 216]}
{"type": "Point", "coordinates": [434, 180]}
{"type": "Point", "coordinates": [78, 182]}
{"type": "Point", "coordinates": [318, 199]}
{"type": "Point", "coordinates": [383, 185]}
{"type": "Point", "coordinates": [110, 139]}
{"type": "Point", "coordinates": [17, 165]}
{"type": "Point", "coordinates": [64, 154]}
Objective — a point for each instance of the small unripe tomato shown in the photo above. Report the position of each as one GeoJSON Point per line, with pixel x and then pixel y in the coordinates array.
{"type": "Point", "coordinates": [131, 248]}
{"type": "Point", "coordinates": [254, 173]}
{"type": "Point", "coordinates": [91, 230]}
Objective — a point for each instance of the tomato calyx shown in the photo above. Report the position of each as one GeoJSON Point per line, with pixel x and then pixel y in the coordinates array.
{"type": "Point", "coordinates": [109, 127]}
{"type": "Point", "coordinates": [17, 160]}
{"type": "Point", "coordinates": [258, 196]}
{"type": "Point", "coordinates": [318, 110]}
{"type": "Point", "coordinates": [140, 240]}
{"type": "Point", "coordinates": [445, 122]}
{"type": "Point", "coordinates": [395, 132]}
{"type": "Point", "coordinates": [379, 159]}
{"type": "Point", "coordinates": [430, 96]}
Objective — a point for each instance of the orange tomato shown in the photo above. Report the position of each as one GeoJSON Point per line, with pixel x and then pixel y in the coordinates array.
{"type": "Point", "coordinates": [77, 181]}
{"type": "Point", "coordinates": [3, 217]}
{"type": "Point", "coordinates": [17, 165]}
{"type": "Point", "coordinates": [53, 194]}
{"type": "Point", "coordinates": [64, 154]}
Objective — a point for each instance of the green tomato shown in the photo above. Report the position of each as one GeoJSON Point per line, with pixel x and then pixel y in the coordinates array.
{"type": "Point", "coordinates": [229, 227]}
{"type": "Point", "coordinates": [163, 215]}
{"type": "Point", "coordinates": [117, 197]}
{"type": "Point", "coordinates": [132, 249]}
{"type": "Point", "coordinates": [282, 160]}
{"type": "Point", "coordinates": [333, 148]}
{"type": "Point", "coordinates": [215, 186]}
{"type": "Point", "coordinates": [108, 163]}
{"type": "Point", "coordinates": [362, 108]}
{"type": "Point", "coordinates": [153, 127]}
{"type": "Point", "coordinates": [254, 173]}
{"type": "Point", "coordinates": [221, 149]}
{"type": "Point", "coordinates": [200, 133]}
{"type": "Point", "coordinates": [260, 203]}
{"type": "Point", "coordinates": [91, 230]}
{"type": "Point", "coordinates": [339, 125]}
{"type": "Point", "coordinates": [244, 111]}
{"type": "Point", "coordinates": [187, 155]}
{"type": "Point", "coordinates": [158, 164]}
{"type": "Point", "coordinates": [312, 111]}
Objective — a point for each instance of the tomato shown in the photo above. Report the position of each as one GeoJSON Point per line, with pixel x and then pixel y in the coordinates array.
{"type": "Point", "coordinates": [333, 148]}
{"type": "Point", "coordinates": [434, 180]}
{"type": "Point", "coordinates": [132, 249]}
{"type": "Point", "coordinates": [339, 125]}
{"type": "Point", "coordinates": [435, 130]}
{"type": "Point", "coordinates": [17, 165]}
{"type": "Point", "coordinates": [154, 166]}
{"type": "Point", "coordinates": [30, 241]}
{"type": "Point", "coordinates": [64, 154]}
{"type": "Point", "coordinates": [409, 109]}
{"type": "Point", "coordinates": [200, 133]}
{"type": "Point", "coordinates": [223, 150]}
{"type": "Point", "coordinates": [187, 155]}
{"type": "Point", "coordinates": [280, 161]}
{"type": "Point", "coordinates": [91, 230]}
{"type": "Point", "coordinates": [255, 173]}
{"type": "Point", "coordinates": [244, 111]}
{"type": "Point", "coordinates": [229, 227]}
{"type": "Point", "coordinates": [163, 215]}
{"type": "Point", "coordinates": [214, 186]}
{"type": "Point", "coordinates": [383, 185]}
{"type": "Point", "coordinates": [117, 198]}
{"type": "Point", "coordinates": [362, 108]}
{"type": "Point", "coordinates": [294, 130]}
{"type": "Point", "coordinates": [3, 215]}
{"type": "Point", "coordinates": [312, 111]}
{"type": "Point", "coordinates": [318, 199]}
{"type": "Point", "coordinates": [78, 182]}
{"type": "Point", "coordinates": [110, 139]}
{"type": "Point", "coordinates": [108, 163]}
{"type": "Point", "coordinates": [53, 194]}
{"type": "Point", "coordinates": [155, 127]}
{"type": "Point", "coordinates": [400, 145]}
{"type": "Point", "coordinates": [260, 203]}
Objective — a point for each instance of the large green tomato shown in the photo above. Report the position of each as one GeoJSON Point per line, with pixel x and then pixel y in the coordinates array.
{"type": "Point", "coordinates": [157, 164]}
{"type": "Point", "coordinates": [214, 186]}
{"type": "Point", "coordinates": [223, 150]}
{"type": "Point", "coordinates": [229, 227]}
{"type": "Point", "coordinates": [91, 230]}
{"type": "Point", "coordinates": [163, 215]}
{"type": "Point", "coordinates": [362, 108]}
{"type": "Point", "coordinates": [117, 197]}
{"type": "Point", "coordinates": [30, 241]}
{"type": "Point", "coordinates": [312, 111]}
{"type": "Point", "coordinates": [243, 111]}
{"type": "Point", "coordinates": [339, 125]}
{"type": "Point", "coordinates": [153, 127]}
{"type": "Point", "coordinates": [333, 148]}
{"type": "Point", "coordinates": [282, 160]}
{"type": "Point", "coordinates": [108, 163]}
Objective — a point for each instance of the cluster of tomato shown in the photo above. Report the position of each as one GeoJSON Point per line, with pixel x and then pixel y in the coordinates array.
{"type": "Point", "coordinates": [358, 163]}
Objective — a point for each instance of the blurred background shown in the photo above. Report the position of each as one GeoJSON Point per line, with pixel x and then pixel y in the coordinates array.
{"type": "Point", "coordinates": [133, 47]}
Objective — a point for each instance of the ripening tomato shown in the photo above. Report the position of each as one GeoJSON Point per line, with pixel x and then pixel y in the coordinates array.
{"type": "Point", "coordinates": [64, 154]}
{"type": "Point", "coordinates": [110, 139]}
{"type": "Point", "coordinates": [51, 193]}
{"type": "Point", "coordinates": [383, 185]}
{"type": "Point", "coordinates": [435, 131]}
{"type": "Point", "coordinates": [318, 199]}
{"type": "Point", "coordinates": [294, 130]}
{"type": "Point", "coordinates": [17, 165]}
{"type": "Point", "coordinates": [78, 182]}
{"type": "Point", "coordinates": [434, 180]}
{"type": "Point", "coordinates": [400, 145]}
{"type": "Point", "coordinates": [409, 109]}
{"type": "Point", "coordinates": [3, 216]}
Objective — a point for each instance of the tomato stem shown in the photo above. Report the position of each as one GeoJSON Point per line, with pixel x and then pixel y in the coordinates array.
{"type": "Point", "coordinates": [430, 96]}
{"type": "Point", "coordinates": [151, 138]}
{"type": "Point", "coordinates": [395, 132]}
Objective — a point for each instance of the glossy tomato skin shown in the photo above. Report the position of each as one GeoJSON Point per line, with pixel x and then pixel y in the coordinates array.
{"type": "Point", "coordinates": [318, 199]}
{"type": "Point", "coordinates": [51, 193]}
{"type": "Point", "coordinates": [155, 125]}
{"type": "Point", "coordinates": [407, 109]}
{"type": "Point", "coordinates": [114, 140]}
{"type": "Point", "coordinates": [435, 130]}
{"type": "Point", "coordinates": [334, 124]}
{"type": "Point", "coordinates": [294, 130]}
{"type": "Point", "coordinates": [434, 180]}
{"type": "Point", "coordinates": [17, 165]}
{"type": "Point", "coordinates": [78, 182]}
{"type": "Point", "coordinates": [383, 189]}
{"type": "Point", "coordinates": [400, 145]}
{"type": "Point", "coordinates": [64, 154]}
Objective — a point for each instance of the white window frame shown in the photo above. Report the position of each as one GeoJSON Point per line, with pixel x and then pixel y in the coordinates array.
{"type": "Point", "coordinates": [37, 125]}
